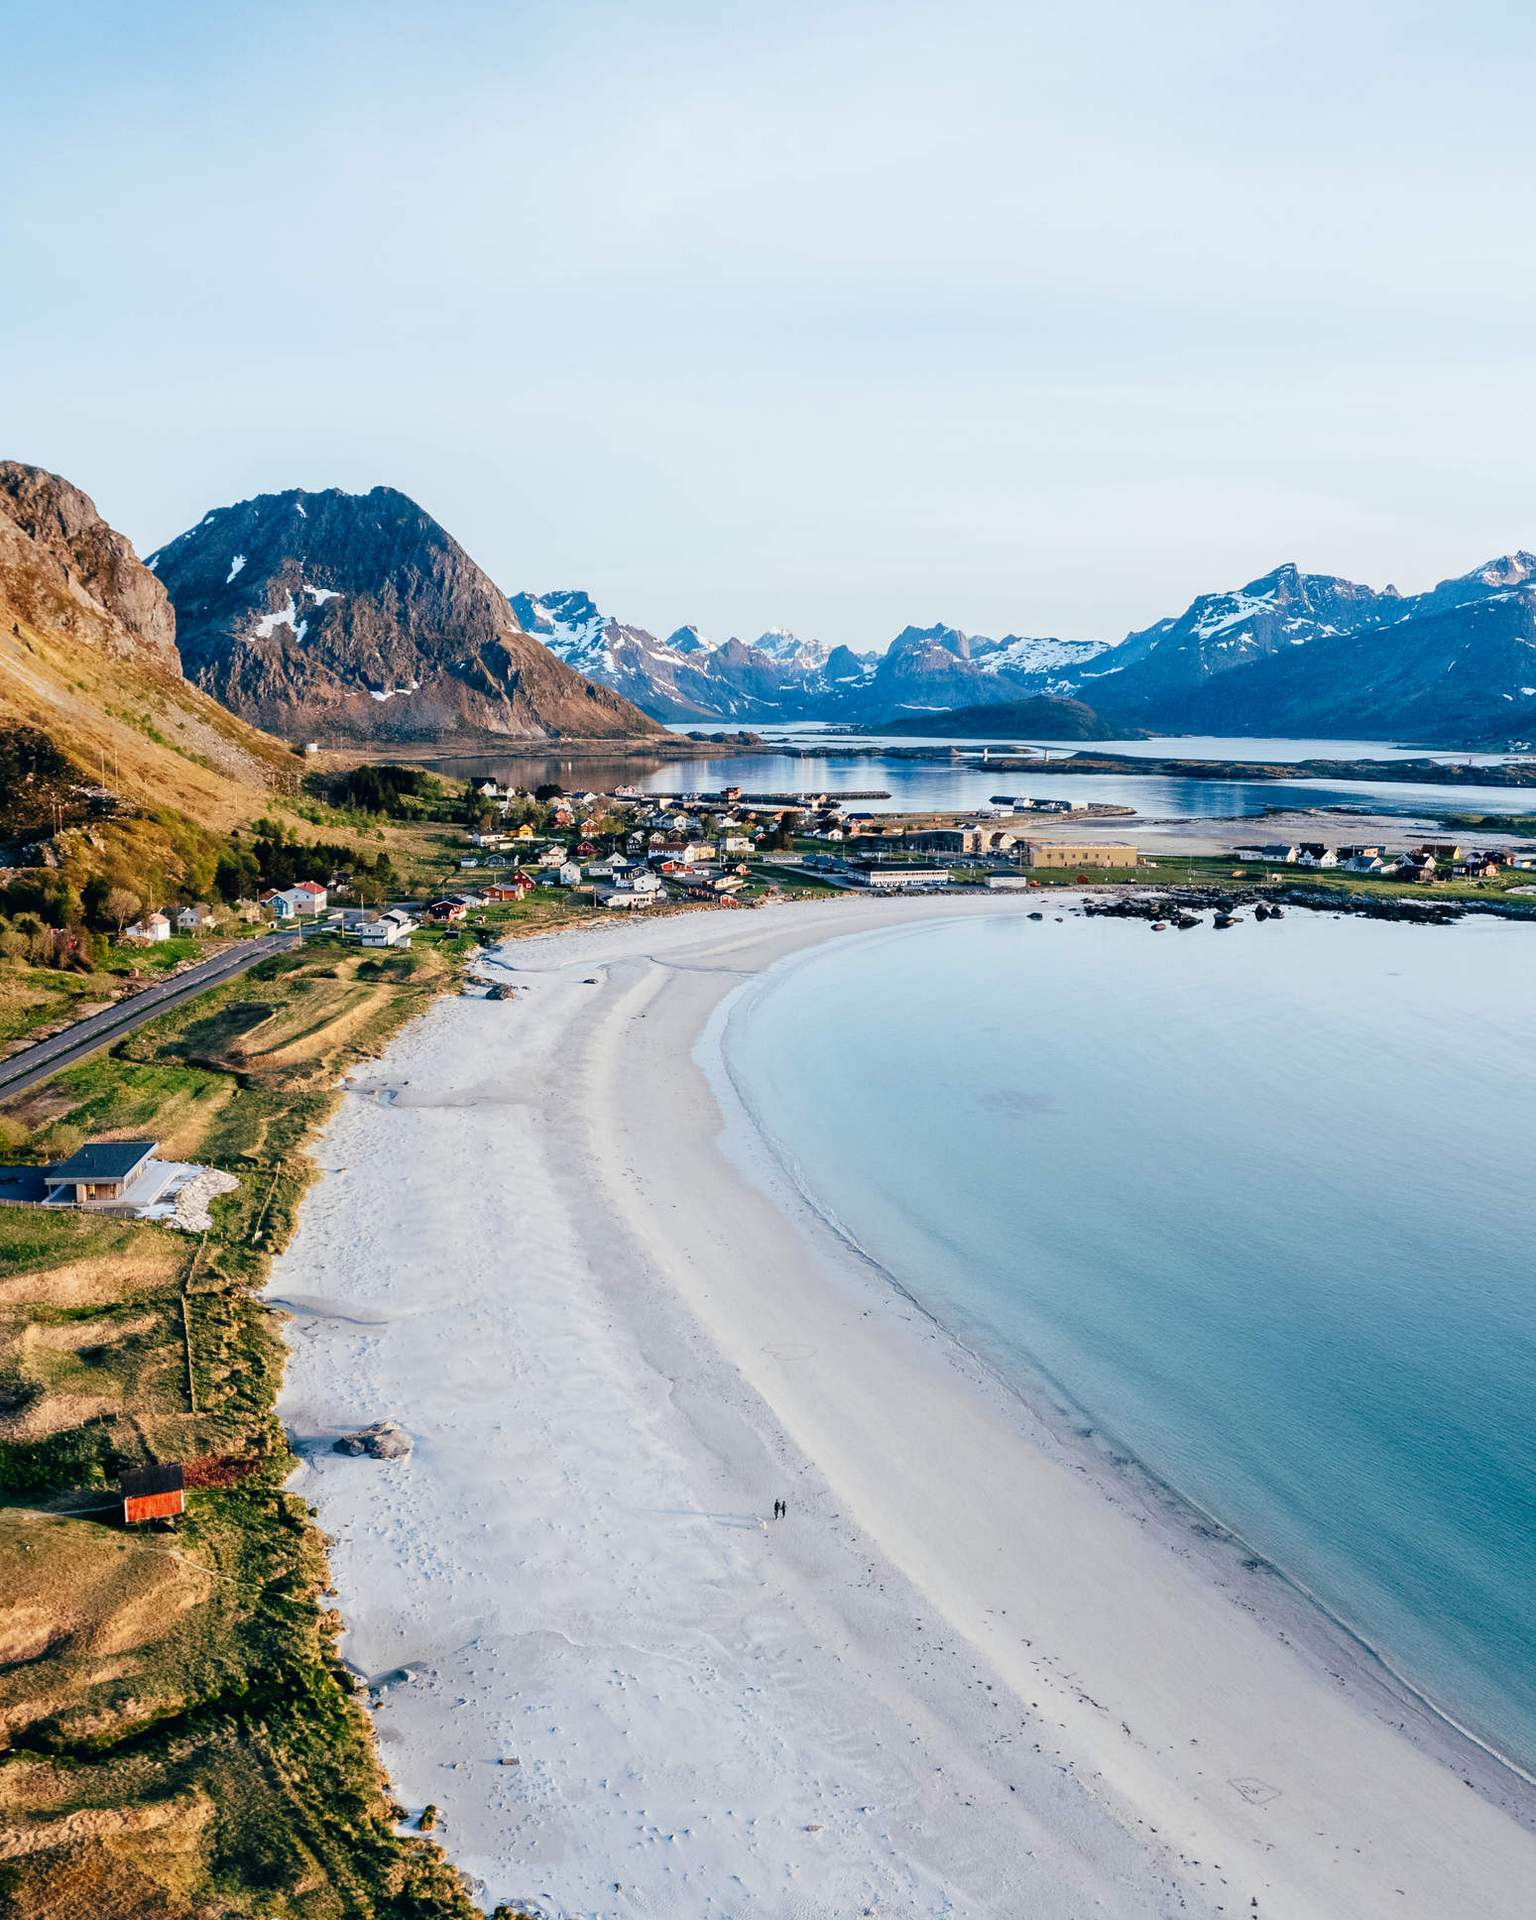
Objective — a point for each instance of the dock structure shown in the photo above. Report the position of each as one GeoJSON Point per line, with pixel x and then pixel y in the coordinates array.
{"type": "Point", "coordinates": [783, 801]}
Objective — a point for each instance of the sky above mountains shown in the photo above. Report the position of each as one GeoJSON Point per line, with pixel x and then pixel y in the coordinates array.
{"type": "Point", "coordinates": [835, 317]}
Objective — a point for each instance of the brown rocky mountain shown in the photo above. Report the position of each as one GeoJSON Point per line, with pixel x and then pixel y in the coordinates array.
{"type": "Point", "coordinates": [62, 563]}
{"type": "Point", "coordinates": [356, 617]}
{"type": "Point", "coordinates": [88, 665]}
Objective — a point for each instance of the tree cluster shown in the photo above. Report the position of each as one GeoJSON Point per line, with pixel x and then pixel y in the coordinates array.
{"type": "Point", "coordinates": [381, 789]}
{"type": "Point", "coordinates": [274, 858]}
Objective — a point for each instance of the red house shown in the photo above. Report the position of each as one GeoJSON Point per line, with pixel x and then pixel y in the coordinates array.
{"type": "Point", "coordinates": [153, 1493]}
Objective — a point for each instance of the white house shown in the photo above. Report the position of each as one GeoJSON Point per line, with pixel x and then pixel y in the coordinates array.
{"type": "Point", "coordinates": [153, 928]}
{"type": "Point", "coordinates": [389, 930]}
{"type": "Point", "coordinates": [898, 879]}
{"type": "Point", "coordinates": [290, 904]}
{"type": "Point", "coordinates": [195, 919]}
{"type": "Point", "coordinates": [622, 897]}
{"type": "Point", "coordinates": [569, 874]}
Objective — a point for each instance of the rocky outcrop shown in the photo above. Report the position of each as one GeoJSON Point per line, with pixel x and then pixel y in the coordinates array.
{"type": "Point", "coordinates": [94, 710]}
{"type": "Point", "coordinates": [62, 567]}
{"type": "Point", "coordinates": [384, 1440]}
{"type": "Point", "coordinates": [358, 617]}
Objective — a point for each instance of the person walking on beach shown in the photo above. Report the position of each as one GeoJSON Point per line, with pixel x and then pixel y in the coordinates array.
{"type": "Point", "coordinates": [776, 1506]}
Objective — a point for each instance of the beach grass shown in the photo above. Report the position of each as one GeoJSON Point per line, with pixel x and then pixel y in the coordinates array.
{"type": "Point", "coordinates": [180, 1736]}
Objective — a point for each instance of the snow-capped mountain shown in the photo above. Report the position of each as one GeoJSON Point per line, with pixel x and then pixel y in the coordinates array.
{"type": "Point", "coordinates": [683, 677]}
{"type": "Point", "coordinates": [779, 676]}
{"type": "Point", "coordinates": [1219, 632]}
{"type": "Point", "coordinates": [1298, 653]}
{"type": "Point", "coordinates": [789, 650]}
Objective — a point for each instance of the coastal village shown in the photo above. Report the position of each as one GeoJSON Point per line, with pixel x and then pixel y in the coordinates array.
{"type": "Point", "coordinates": [626, 851]}
{"type": "Point", "coordinates": [508, 849]}
{"type": "Point", "coordinates": [629, 851]}
{"type": "Point", "coordinates": [167, 1167]}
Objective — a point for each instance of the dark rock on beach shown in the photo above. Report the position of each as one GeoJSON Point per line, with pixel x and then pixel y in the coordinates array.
{"type": "Point", "coordinates": [384, 1440]}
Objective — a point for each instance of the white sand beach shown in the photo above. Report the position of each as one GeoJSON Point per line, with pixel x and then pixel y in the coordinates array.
{"type": "Point", "coordinates": [973, 1672]}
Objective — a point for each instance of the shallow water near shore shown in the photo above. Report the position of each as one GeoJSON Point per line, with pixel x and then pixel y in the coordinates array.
{"type": "Point", "coordinates": [1258, 1205]}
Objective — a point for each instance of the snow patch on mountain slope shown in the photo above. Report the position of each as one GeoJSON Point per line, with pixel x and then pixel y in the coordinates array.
{"type": "Point", "coordinates": [1226, 610]}
{"type": "Point", "coordinates": [1025, 653]}
{"type": "Point", "coordinates": [287, 616]}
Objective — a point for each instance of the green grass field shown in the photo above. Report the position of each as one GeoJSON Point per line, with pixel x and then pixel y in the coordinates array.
{"type": "Point", "coordinates": [187, 1694]}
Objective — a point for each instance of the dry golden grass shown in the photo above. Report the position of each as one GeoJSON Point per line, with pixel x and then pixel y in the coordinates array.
{"type": "Point", "coordinates": [157, 740]}
{"type": "Point", "coordinates": [57, 1412]}
{"type": "Point", "coordinates": [310, 1032]}
{"type": "Point", "coordinates": [182, 1121]}
{"type": "Point", "coordinates": [100, 1863]}
{"type": "Point", "coordinates": [183, 1671]}
{"type": "Point", "coordinates": [94, 1282]}
{"type": "Point", "coordinates": [81, 1598]}
{"type": "Point", "coordinates": [318, 1031]}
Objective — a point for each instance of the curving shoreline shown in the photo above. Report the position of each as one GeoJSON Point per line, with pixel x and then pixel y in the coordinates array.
{"type": "Point", "coordinates": [581, 1125]}
{"type": "Point", "coordinates": [1085, 1438]}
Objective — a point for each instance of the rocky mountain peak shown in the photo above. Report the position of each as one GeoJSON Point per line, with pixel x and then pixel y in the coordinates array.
{"type": "Point", "coordinates": [52, 532]}
{"type": "Point", "coordinates": [916, 639]}
{"type": "Point", "coordinates": [358, 616]}
{"type": "Point", "coordinates": [1508, 570]}
{"type": "Point", "coordinates": [564, 610]}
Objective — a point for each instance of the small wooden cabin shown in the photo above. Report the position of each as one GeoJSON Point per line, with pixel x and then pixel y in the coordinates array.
{"type": "Point", "coordinates": [153, 1493]}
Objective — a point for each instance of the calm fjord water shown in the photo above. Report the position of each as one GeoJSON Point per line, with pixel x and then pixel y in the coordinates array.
{"type": "Point", "coordinates": [1256, 1202]}
{"type": "Point", "coordinates": [937, 785]}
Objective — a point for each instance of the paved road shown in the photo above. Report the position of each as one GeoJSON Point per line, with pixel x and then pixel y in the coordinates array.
{"type": "Point", "coordinates": [47, 1057]}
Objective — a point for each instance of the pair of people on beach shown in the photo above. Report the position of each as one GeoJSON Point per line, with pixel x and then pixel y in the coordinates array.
{"type": "Point", "coordinates": [780, 1509]}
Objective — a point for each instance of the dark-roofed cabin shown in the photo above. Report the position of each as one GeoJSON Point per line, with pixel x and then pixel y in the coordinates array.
{"type": "Point", "coordinates": [102, 1170]}
{"type": "Point", "coordinates": [153, 1493]}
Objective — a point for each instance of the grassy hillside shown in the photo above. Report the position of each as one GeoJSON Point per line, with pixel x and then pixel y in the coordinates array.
{"type": "Point", "coordinates": [123, 722]}
{"type": "Point", "coordinates": [181, 1739]}
{"type": "Point", "coordinates": [111, 764]}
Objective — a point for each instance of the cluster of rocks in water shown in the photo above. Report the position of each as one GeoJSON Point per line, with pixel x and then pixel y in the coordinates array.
{"type": "Point", "coordinates": [1175, 902]}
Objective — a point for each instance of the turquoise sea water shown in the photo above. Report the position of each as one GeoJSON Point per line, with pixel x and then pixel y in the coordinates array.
{"type": "Point", "coordinates": [1257, 1203]}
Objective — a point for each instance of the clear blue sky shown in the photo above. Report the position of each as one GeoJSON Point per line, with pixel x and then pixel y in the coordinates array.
{"type": "Point", "coordinates": [1023, 316]}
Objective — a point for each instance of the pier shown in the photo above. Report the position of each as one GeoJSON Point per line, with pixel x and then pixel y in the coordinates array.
{"type": "Point", "coordinates": [819, 797]}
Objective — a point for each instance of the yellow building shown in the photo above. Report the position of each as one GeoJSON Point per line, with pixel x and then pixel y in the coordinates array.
{"type": "Point", "coordinates": [1079, 853]}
